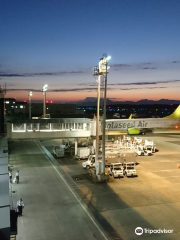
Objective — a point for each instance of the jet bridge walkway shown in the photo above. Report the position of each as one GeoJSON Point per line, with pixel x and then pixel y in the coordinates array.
{"type": "Point", "coordinates": [51, 128]}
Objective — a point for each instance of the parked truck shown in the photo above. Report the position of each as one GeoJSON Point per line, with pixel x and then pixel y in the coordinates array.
{"type": "Point", "coordinates": [112, 157]}
{"type": "Point", "coordinates": [58, 151]}
{"type": "Point", "coordinates": [120, 156]}
{"type": "Point", "coordinates": [83, 153]}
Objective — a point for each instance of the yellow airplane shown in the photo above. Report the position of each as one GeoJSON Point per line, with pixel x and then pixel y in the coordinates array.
{"type": "Point", "coordinates": [138, 126]}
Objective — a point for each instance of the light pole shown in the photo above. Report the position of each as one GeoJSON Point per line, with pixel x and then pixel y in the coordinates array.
{"type": "Point", "coordinates": [101, 70]}
{"type": "Point", "coordinates": [103, 67]}
{"type": "Point", "coordinates": [44, 105]}
{"type": "Point", "coordinates": [30, 95]}
{"type": "Point", "coordinates": [96, 73]}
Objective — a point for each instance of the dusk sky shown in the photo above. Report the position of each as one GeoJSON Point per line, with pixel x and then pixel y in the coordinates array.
{"type": "Point", "coordinates": [58, 42]}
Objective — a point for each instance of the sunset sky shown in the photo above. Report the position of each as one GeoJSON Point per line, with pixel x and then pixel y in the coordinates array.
{"type": "Point", "coordinates": [58, 42]}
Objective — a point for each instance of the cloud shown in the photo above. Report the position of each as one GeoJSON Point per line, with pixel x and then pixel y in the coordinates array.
{"type": "Point", "coordinates": [175, 61]}
{"type": "Point", "coordinates": [143, 83]}
{"type": "Point", "coordinates": [146, 63]}
{"type": "Point", "coordinates": [120, 65]}
{"type": "Point", "coordinates": [149, 68]}
{"type": "Point", "coordinates": [11, 75]}
{"type": "Point", "coordinates": [131, 83]}
{"type": "Point", "coordinates": [92, 87]}
{"type": "Point", "coordinates": [53, 90]}
{"type": "Point", "coordinates": [144, 66]}
{"type": "Point", "coordinates": [38, 74]}
{"type": "Point", "coordinates": [127, 89]}
{"type": "Point", "coordinates": [124, 65]}
{"type": "Point", "coordinates": [73, 90]}
{"type": "Point", "coordinates": [114, 98]}
{"type": "Point", "coordinates": [82, 89]}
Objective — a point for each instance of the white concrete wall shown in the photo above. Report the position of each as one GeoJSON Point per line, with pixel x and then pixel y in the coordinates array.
{"type": "Point", "coordinates": [4, 190]}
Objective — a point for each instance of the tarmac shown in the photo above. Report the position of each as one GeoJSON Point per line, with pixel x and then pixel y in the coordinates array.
{"type": "Point", "coordinates": [61, 202]}
{"type": "Point", "coordinates": [53, 209]}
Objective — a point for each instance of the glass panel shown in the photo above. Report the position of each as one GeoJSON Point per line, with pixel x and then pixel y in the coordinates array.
{"type": "Point", "coordinates": [56, 126]}
{"type": "Point", "coordinates": [18, 127]}
{"type": "Point", "coordinates": [80, 125]}
{"type": "Point", "coordinates": [44, 126]}
{"type": "Point", "coordinates": [29, 126]}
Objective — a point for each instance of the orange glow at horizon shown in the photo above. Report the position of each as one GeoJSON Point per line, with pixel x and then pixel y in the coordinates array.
{"type": "Point", "coordinates": [114, 95]}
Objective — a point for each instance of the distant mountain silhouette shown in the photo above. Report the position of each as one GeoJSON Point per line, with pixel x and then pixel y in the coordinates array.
{"type": "Point", "coordinates": [92, 101]}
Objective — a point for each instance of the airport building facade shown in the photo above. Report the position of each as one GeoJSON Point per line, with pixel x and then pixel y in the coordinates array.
{"type": "Point", "coordinates": [19, 108]}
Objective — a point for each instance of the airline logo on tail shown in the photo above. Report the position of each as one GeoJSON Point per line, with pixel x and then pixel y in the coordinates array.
{"type": "Point", "coordinates": [175, 114]}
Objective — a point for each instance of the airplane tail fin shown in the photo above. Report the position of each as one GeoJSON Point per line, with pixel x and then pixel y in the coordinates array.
{"type": "Point", "coordinates": [130, 117]}
{"type": "Point", "coordinates": [175, 114]}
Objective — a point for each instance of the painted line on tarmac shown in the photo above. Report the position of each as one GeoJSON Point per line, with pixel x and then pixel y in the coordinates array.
{"type": "Point", "coordinates": [55, 168]}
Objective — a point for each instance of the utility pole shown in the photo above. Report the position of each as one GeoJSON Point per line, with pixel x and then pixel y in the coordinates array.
{"type": "Point", "coordinates": [96, 74]}
{"type": "Point", "coordinates": [97, 128]}
{"type": "Point", "coordinates": [101, 70]}
{"type": "Point", "coordinates": [44, 102]}
{"type": "Point", "coordinates": [103, 67]}
{"type": "Point", "coordinates": [30, 95]}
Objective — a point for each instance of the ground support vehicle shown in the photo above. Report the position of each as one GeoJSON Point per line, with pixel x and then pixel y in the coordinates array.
{"type": "Point", "coordinates": [112, 157]}
{"type": "Point", "coordinates": [65, 144]}
{"type": "Point", "coordinates": [120, 156]}
{"type": "Point", "coordinates": [58, 151]}
{"type": "Point", "coordinates": [143, 152]}
{"type": "Point", "coordinates": [129, 169]}
{"type": "Point", "coordinates": [151, 148]}
{"type": "Point", "coordinates": [117, 170]}
{"type": "Point", "coordinates": [150, 145]}
{"type": "Point", "coordinates": [82, 153]}
{"type": "Point", "coordinates": [138, 140]}
{"type": "Point", "coordinates": [90, 162]}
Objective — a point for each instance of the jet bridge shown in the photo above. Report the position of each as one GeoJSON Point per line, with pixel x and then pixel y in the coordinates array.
{"type": "Point", "coordinates": [51, 128]}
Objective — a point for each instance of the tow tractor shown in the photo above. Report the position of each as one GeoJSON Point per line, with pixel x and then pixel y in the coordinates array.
{"type": "Point", "coordinates": [141, 151]}
{"type": "Point", "coordinates": [149, 145]}
{"type": "Point", "coordinates": [90, 162]}
{"type": "Point", "coordinates": [59, 150]}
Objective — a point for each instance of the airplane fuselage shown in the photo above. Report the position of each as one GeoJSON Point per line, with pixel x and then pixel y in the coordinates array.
{"type": "Point", "coordinates": [124, 124]}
